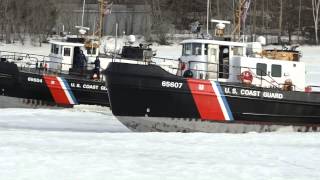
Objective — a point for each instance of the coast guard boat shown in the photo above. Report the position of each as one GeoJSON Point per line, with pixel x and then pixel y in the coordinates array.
{"type": "Point", "coordinates": [218, 86]}
{"type": "Point", "coordinates": [65, 78]}
{"type": "Point", "coordinates": [61, 79]}
{"type": "Point", "coordinates": [29, 80]}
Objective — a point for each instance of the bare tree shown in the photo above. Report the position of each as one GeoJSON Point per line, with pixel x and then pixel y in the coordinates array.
{"type": "Point", "coordinates": [280, 20]}
{"type": "Point", "coordinates": [315, 12]}
{"type": "Point", "coordinates": [20, 18]}
{"type": "Point", "coordinates": [42, 20]}
{"type": "Point", "coordinates": [299, 23]}
{"type": "Point", "coordinates": [6, 18]}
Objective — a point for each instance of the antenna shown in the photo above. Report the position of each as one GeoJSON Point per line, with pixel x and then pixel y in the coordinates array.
{"type": "Point", "coordinates": [83, 6]}
{"type": "Point", "coordinates": [83, 30]}
{"type": "Point", "coordinates": [208, 10]}
{"type": "Point", "coordinates": [220, 21]}
{"type": "Point", "coordinates": [221, 25]}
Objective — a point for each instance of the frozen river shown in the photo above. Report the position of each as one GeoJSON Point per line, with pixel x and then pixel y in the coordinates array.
{"type": "Point", "coordinates": [84, 143]}
{"type": "Point", "coordinates": [87, 142]}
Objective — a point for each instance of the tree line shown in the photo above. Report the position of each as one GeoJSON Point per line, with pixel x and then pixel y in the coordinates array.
{"type": "Point", "coordinates": [282, 18]}
{"type": "Point", "coordinates": [265, 17]}
{"type": "Point", "coordinates": [21, 18]}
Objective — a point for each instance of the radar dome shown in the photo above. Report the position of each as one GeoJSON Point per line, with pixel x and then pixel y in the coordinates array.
{"type": "Point", "coordinates": [82, 31]}
{"type": "Point", "coordinates": [262, 40]}
{"type": "Point", "coordinates": [220, 26]}
{"type": "Point", "coordinates": [131, 39]}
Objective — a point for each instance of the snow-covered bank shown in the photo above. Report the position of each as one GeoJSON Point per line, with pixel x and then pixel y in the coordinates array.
{"type": "Point", "coordinates": [27, 48]}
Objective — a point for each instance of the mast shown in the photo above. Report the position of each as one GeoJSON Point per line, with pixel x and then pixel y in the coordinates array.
{"type": "Point", "coordinates": [208, 5]}
{"type": "Point", "coordinates": [82, 29]}
{"type": "Point", "coordinates": [299, 31]}
{"type": "Point", "coordinates": [83, 6]}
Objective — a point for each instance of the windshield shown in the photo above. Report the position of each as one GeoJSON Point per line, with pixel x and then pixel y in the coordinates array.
{"type": "Point", "coordinates": [194, 49]}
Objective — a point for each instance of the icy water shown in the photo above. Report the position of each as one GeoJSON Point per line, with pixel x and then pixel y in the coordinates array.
{"type": "Point", "coordinates": [89, 143]}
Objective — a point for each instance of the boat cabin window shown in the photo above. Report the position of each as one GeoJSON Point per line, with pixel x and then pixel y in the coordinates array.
{"type": "Point", "coordinates": [55, 49]}
{"type": "Point", "coordinates": [189, 49]}
{"type": "Point", "coordinates": [91, 51]}
{"type": "Point", "coordinates": [237, 51]}
{"type": "Point", "coordinates": [186, 49]}
{"type": "Point", "coordinates": [67, 52]}
{"type": "Point", "coordinates": [261, 69]}
{"type": "Point", "coordinates": [196, 49]}
{"type": "Point", "coordinates": [206, 49]}
{"type": "Point", "coordinates": [224, 62]}
{"type": "Point", "coordinates": [276, 70]}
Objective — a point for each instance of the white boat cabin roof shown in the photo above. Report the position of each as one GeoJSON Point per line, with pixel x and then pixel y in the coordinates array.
{"type": "Point", "coordinates": [215, 42]}
{"type": "Point", "coordinates": [61, 43]}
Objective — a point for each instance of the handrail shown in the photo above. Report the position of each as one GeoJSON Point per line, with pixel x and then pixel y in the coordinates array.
{"type": "Point", "coordinates": [27, 54]}
{"type": "Point", "coordinates": [165, 59]}
{"type": "Point", "coordinates": [37, 63]}
{"type": "Point", "coordinates": [262, 78]}
{"type": "Point", "coordinates": [271, 80]}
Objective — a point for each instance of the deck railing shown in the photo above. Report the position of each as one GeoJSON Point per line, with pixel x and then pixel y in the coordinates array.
{"type": "Point", "coordinates": [41, 64]}
{"type": "Point", "coordinates": [222, 71]}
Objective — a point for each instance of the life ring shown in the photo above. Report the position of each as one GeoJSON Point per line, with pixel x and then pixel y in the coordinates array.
{"type": "Point", "coordinates": [246, 77]}
{"type": "Point", "coordinates": [308, 89]}
{"type": "Point", "coordinates": [287, 86]}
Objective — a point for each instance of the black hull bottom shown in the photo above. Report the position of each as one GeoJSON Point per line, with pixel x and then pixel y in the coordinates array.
{"type": "Point", "coordinates": [156, 124]}
{"type": "Point", "coordinates": [12, 102]}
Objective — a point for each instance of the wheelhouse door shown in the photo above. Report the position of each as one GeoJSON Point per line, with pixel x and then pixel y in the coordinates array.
{"type": "Point", "coordinates": [67, 55]}
{"type": "Point", "coordinates": [213, 61]}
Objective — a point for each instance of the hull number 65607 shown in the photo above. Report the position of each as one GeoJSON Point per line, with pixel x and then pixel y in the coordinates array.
{"type": "Point", "coordinates": [171, 84]}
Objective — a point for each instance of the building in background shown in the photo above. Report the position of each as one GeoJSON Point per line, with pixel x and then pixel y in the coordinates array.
{"type": "Point", "coordinates": [132, 17]}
